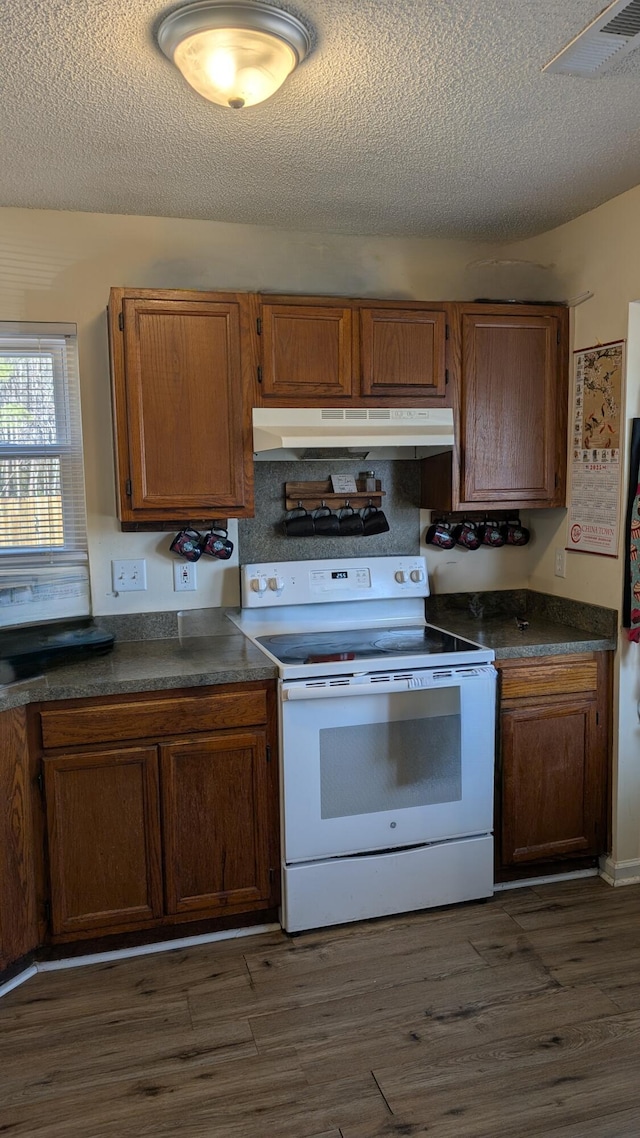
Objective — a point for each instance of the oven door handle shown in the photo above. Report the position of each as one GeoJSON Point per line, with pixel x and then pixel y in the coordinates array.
{"type": "Point", "coordinates": [333, 691]}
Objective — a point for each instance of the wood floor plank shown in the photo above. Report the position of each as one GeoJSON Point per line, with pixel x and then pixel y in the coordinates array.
{"type": "Point", "coordinates": [401, 1040]}
{"type": "Point", "coordinates": [570, 902]}
{"type": "Point", "coordinates": [150, 1054]}
{"type": "Point", "coordinates": [553, 1080]}
{"type": "Point", "coordinates": [445, 1002]}
{"type": "Point", "coordinates": [426, 933]}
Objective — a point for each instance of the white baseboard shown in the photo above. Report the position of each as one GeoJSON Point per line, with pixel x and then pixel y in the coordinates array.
{"type": "Point", "coordinates": [620, 872]}
{"type": "Point", "coordinates": [546, 879]}
{"type": "Point", "coordinates": [126, 953]}
{"type": "Point", "coordinates": [16, 981]}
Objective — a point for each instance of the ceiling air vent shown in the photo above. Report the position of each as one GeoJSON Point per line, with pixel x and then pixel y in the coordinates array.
{"type": "Point", "coordinates": [613, 33]}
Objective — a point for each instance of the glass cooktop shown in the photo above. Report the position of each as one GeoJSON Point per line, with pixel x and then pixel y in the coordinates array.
{"type": "Point", "coordinates": [361, 644]}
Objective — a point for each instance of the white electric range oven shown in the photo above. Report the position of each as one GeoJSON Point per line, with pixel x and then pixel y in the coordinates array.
{"type": "Point", "coordinates": [387, 739]}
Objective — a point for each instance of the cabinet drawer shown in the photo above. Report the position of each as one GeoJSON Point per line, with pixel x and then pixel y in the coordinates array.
{"type": "Point", "coordinates": [561, 678]}
{"type": "Point", "coordinates": [151, 718]}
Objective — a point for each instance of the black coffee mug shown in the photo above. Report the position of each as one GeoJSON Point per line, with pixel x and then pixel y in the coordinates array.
{"type": "Point", "coordinates": [440, 535]}
{"type": "Point", "coordinates": [515, 533]}
{"type": "Point", "coordinates": [351, 523]}
{"type": "Point", "coordinates": [491, 534]}
{"type": "Point", "coordinates": [374, 520]}
{"type": "Point", "coordinates": [299, 523]}
{"type": "Point", "coordinates": [325, 522]}
{"type": "Point", "coordinates": [466, 534]}
{"type": "Point", "coordinates": [217, 544]}
{"type": "Point", "coordinates": [187, 543]}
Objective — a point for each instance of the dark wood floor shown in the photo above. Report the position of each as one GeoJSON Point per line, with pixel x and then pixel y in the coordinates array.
{"type": "Point", "coordinates": [516, 1017]}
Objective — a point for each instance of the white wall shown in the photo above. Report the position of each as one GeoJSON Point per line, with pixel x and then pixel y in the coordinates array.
{"type": "Point", "coordinates": [60, 266]}
{"type": "Point", "coordinates": [600, 252]}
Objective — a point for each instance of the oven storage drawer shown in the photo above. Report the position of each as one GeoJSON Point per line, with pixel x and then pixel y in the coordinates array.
{"type": "Point", "coordinates": [352, 889]}
{"type": "Point", "coordinates": [396, 766]}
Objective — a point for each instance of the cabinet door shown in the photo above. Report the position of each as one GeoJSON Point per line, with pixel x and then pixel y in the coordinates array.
{"type": "Point", "coordinates": [216, 818]}
{"type": "Point", "coordinates": [512, 408]}
{"type": "Point", "coordinates": [103, 827]}
{"type": "Point", "coordinates": [307, 353]}
{"type": "Point", "coordinates": [180, 414]}
{"type": "Point", "coordinates": [18, 922]}
{"type": "Point", "coordinates": [552, 780]}
{"type": "Point", "coordinates": [403, 354]}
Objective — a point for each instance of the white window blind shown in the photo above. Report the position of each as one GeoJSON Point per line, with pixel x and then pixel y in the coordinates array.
{"type": "Point", "coordinates": [42, 504]}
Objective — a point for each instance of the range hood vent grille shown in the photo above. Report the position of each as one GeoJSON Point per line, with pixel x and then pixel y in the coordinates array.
{"type": "Point", "coordinates": [613, 34]}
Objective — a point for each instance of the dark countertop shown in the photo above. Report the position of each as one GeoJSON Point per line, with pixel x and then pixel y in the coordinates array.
{"type": "Point", "coordinates": [158, 651]}
{"type": "Point", "coordinates": [555, 626]}
{"type": "Point", "coordinates": [149, 665]}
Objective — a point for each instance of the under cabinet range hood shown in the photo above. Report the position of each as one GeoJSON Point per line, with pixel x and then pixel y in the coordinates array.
{"type": "Point", "coordinates": [351, 432]}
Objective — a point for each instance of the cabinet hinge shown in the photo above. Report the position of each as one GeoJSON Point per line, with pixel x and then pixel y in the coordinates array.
{"type": "Point", "coordinates": [259, 374]}
{"type": "Point", "coordinates": [259, 325]}
{"type": "Point", "coordinates": [127, 487]}
{"type": "Point", "coordinates": [121, 321]}
{"type": "Point", "coordinates": [446, 375]}
{"type": "Point", "coordinates": [47, 912]}
{"type": "Point", "coordinates": [40, 781]}
{"type": "Point", "coordinates": [446, 331]}
{"type": "Point", "coordinates": [268, 753]}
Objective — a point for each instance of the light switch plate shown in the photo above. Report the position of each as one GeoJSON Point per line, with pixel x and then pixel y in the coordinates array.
{"type": "Point", "coordinates": [129, 576]}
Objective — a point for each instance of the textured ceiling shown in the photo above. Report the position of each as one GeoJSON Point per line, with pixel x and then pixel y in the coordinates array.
{"type": "Point", "coordinates": [424, 117]}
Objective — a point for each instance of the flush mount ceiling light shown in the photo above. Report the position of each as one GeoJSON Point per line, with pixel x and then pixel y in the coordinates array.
{"type": "Point", "coordinates": [235, 54]}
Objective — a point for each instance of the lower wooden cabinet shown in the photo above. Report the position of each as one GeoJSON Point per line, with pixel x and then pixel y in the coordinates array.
{"type": "Point", "coordinates": [18, 892]}
{"type": "Point", "coordinates": [174, 823]}
{"type": "Point", "coordinates": [552, 770]}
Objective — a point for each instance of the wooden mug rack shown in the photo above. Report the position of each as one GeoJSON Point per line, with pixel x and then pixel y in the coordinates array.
{"type": "Point", "coordinates": [313, 494]}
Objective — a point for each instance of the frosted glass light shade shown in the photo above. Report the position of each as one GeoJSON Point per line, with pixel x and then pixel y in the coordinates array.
{"type": "Point", "coordinates": [234, 54]}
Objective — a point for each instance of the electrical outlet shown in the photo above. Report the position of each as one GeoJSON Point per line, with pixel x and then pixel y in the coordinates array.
{"type": "Point", "coordinates": [561, 563]}
{"type": "Point", "coordinates": [184, 577]}
{"type": "Point", "coordinates": [129, 576]}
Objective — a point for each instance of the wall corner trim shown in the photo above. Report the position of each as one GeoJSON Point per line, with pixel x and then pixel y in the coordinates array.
{"type": "Point", "coordinates": [620, 872]}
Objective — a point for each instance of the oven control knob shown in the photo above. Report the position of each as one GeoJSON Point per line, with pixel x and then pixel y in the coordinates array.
{"type": "Point", "coordinates": [401, 576]}
{"type": "Point", "coordinates": [276, 584]}
{"type": "Point", "coordinates": [417, 575]}
{"type": "Point", "coordinates": [259, 585]}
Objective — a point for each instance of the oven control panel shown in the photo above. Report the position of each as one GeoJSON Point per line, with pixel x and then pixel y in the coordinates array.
{"type": "Point", "coordinates": [352, 578]}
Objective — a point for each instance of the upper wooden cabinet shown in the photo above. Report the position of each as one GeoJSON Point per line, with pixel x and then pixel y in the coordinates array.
{"type": "Point", "coordinates": [319, 351]}
{"type": "Point", "coordinates": [182, 364]}
{"type": "Point", "coordinates": [509, 369]}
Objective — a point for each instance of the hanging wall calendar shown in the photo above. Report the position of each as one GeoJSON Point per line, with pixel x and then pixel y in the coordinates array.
{"type": "Point", "coordinates": [594, 509]}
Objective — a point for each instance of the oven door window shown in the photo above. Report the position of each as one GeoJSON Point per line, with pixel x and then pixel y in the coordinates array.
{"type": "Point", "coordinates": [393, 764]}
{"type": "Point", "coordinates": [386, 770]}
